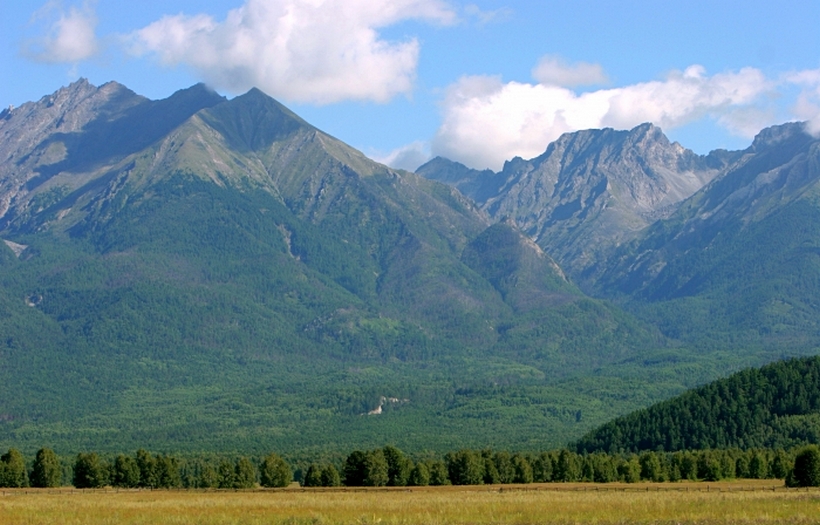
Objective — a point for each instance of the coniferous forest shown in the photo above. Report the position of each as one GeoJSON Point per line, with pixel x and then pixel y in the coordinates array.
{"type": "Point", "coordinates": [775, 406]}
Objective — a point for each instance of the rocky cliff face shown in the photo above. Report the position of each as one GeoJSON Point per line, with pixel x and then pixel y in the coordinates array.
{"type": "Point", "coordinates": [590, 189]}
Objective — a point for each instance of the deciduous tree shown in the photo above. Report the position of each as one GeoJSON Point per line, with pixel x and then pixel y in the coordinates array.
{"type": "Point", "coordinates": [46, 471]}
{"type": "Point", "coordinates": [806, 472]}
{"type": "Point", "coordinates": [419, 476]}
{"type": "Point", "coordinates": [354, 472]}
{"type": "Point", "coordinates": [465, 467]}
{"type": "Point", "coordinates": [375, 468]}
{"type": "Point", "coordinates": [13, 469]}
{"type": "Point", "coordinates": [126, 472]}
{"type": "Point", "coordinates": [330, 476]}
{"type": "Point", "coordinates": [275, 472]}
{"type": "Point", "coordinates": [244, 474]}
{"type": "Point", "coordinates": [398, 466]}
{"type": "Point", "coordinates": [90, 472]}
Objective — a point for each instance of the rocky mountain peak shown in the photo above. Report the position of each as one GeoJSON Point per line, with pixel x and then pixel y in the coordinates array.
{"type": "Point", "coordinates": [589, 189]}
{"type": "Point", "coordinates": [253, 120]}
{"type": "Point", "coordinates": [82, 128]}
{"type": "Point", "coordinates": [775, 135]}
{"type": "Point", "coordinates": [476, 184]}
{"type": "Point", "coordinates": [647, 132]}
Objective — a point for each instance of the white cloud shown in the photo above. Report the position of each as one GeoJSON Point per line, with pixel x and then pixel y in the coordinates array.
{"type": "Point", "coordinates": [319, 51]}
{"type": "Point", "coordinates": [408, 157]}
{"type": "Point", "coordinates": [807, 106]}
{"type": "Point", "coordinates": [684, 97]}
{"type": "Point", "coordinates": [69, 37]}
{"type": "Point", "coordinates": [552, 70]}
{"type": "Point", "coordinates": [747, 121]}
{"type": "Point", "coordinates": [486, 122]}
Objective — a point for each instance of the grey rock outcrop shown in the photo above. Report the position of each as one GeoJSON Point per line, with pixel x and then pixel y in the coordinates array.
{"type": "Point", "coordinates": [67, 138]}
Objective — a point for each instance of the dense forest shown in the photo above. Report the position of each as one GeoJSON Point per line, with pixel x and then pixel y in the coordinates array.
{"type": "Point", "coordinates": [760, 423]}
{"type": "Point", "coordinates": [252, 330]}
{"type": "Point", "coordinates": [777, 405]}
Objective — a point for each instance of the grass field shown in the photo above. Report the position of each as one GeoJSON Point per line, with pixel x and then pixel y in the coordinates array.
{"type": "Point", "coordinates": [684, 503]}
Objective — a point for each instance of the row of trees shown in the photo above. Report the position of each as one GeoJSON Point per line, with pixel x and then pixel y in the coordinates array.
{"type": "Point", "coordinates": [389, 466]}
{"type": "Point", "coordinates": [143, 470]}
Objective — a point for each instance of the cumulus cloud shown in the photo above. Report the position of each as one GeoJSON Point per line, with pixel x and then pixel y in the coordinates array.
{"type": "Point", "coordinates": [408, 157]}
{"type": "Point", "coordinates": [486, 121]}
{"type": "Point", "coordinates": [69, 36]}
{"type": "Point", "coordinates": [552, 70]}
{"type": "Point", "coordinates": [319, 51]}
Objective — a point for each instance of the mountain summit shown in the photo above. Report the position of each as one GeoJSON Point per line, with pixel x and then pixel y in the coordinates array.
{"type": "Point", "coordinates": [739, 259]}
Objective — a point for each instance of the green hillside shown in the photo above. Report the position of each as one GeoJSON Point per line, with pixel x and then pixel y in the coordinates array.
{"type": "Point", "coordinates": [777, 406]}
{"type": "Point", "coordinates": [188, 321]}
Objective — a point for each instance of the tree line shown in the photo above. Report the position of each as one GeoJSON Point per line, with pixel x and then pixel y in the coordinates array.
{"type": "Point", "coordinates": [142, 470]}
{"type": "Point", "coordinates": [389, 466]}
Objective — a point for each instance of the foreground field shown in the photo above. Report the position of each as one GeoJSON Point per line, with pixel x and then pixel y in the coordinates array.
{"type": "Point", "coordinates": [691, 503]}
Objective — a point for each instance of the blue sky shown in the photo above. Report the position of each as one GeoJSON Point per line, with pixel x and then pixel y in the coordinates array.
{"type": "Point", "coordinates": [476, 81]}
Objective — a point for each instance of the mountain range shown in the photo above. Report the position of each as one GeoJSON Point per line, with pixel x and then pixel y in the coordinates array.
{"type": "Point", "coordinates": [198, 273]}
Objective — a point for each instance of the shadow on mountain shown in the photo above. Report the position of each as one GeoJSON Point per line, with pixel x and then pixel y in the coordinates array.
{"type": "Point", "coordinates": [253, 121]}
{"type": "Point", "coordinates": [126, 124]}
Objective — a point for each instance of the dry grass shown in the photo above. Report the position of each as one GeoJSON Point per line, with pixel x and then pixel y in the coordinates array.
{"type": "Point", "coordinates": [730, 503]}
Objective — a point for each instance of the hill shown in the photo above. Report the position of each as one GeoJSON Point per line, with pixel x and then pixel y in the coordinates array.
{"type": "Point", "coordinates": [777, 406]}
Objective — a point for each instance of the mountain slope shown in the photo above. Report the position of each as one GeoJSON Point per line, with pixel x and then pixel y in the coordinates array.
{"type": "Point", "coordinates": [81, 128]}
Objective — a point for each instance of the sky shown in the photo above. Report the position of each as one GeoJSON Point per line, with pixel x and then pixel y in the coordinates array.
{"type": "Point", "coordinates": [479, 82]}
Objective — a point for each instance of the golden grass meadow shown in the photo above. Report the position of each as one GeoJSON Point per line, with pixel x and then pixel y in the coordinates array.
{"type": "Point", "coordinates": [684, 503]}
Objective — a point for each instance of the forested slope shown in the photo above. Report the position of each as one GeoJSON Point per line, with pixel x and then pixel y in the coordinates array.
{"type": "Point", "coordinates": [774, 406]}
